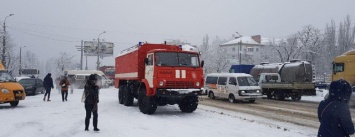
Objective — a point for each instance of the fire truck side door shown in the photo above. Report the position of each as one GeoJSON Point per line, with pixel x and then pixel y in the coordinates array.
{"type": "Point", "coordinates": [149, 70]}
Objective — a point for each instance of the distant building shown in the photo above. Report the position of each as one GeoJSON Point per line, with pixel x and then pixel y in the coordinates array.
{"type": "Point", "coordinates": [245, 46]}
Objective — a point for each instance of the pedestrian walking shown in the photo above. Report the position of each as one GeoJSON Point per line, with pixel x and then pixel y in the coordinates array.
{"type": "Point", "coordinates": [64, 84]}
{"type": "Point", "coordinates": [48, 84]}
{"type": "Point", "coordinates": [91, 93]}
{"type": "Point", "coordinates": [334, 113]}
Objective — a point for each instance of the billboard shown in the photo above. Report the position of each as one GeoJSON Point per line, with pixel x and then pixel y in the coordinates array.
{"type": "Point", "coordinates": [91, 49]}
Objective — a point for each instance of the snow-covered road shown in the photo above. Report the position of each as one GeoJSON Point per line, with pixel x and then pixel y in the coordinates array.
{"type": "Point", "coordinates": [36, 118]}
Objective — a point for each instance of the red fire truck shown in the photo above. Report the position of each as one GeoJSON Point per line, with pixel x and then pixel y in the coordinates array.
{"type": "Point", "coordinates": [159, 74]}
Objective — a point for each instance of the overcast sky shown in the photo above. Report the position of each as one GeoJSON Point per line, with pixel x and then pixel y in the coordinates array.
{"type": "Point", "coordinates": [47, 27]}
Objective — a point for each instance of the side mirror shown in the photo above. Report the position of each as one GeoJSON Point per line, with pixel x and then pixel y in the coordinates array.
{"type": "Point", "coordinates": [146, 61]}
{"type": "Point", "coordinates": [235, 83]}
{"type": "Point", "coordinates": [202, 63]}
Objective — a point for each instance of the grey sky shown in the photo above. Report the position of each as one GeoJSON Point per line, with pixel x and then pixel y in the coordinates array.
{"type": "Point", "coordinates": [55, 22]}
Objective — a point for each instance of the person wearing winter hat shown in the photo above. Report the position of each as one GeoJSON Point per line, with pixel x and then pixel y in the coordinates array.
{"type": "Point", "coordinates": [334, 113]}
{"type": "Point", "coordinates": [64, 83]}
{"type": "Point", "coordinates": [48, 84]}
{"type": "Point", "coordinates": [91, 92]}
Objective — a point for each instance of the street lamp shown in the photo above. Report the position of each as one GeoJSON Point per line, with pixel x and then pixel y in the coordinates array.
{"type": "Point", "coordinates": [20, 70]}
{"type": "Point", "coordinates": [98, 50]}
{"type": "Point", "coordinates": [4, 43]}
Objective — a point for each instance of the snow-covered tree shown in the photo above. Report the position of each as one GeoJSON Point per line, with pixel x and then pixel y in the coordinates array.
{"type": "Point", "coordinates": [346, 36]}
{"type": "Point", "coordinates": [57, 65]}
{"type": "Point", "coordinates": [215, 57]}
{"type": "Point", "coordinates": [285, 50]}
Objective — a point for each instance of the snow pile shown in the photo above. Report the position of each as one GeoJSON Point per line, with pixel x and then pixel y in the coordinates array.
{"type": "Point", "coordinates": [36, 118]}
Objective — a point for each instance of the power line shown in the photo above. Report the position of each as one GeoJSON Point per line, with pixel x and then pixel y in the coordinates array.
{"type": "Point", "coordinates": [111, 31]}
{"type": "Point", "coordinates": [42, 36]}
{"type": "Point", "coordinates": [44, 33]}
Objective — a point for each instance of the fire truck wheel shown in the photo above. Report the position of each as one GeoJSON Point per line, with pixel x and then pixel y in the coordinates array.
{"type": "Point", "coordinates": [147, 105]}
{"type": "Point", "coordinates": [14, 103]}
{"type": "Point", "coordinates": [127, 97]}
{"type": "Point", "coordinates": [188, 104]}
{"type": "Point", "coordinates": [120, 95]}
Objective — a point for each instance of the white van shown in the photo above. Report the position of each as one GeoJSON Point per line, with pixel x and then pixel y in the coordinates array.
{"type": "Point", "coordinates": [234, 86]}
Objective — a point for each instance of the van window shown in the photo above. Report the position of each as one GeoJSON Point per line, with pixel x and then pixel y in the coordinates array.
{"type": "Point", "coordinates": [246, 81]}
{"type": "Point", "coordinates": [222, 81]}
{"type": "Point", "coordinates": [211, 80]}
{"type": "Point", "coordinates": [232, 81]}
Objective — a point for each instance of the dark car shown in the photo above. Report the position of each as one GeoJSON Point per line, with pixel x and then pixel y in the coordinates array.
{"type": "Point", "coordinates": [32, 86]}
{"type": "Point", "coordinates": [321, 85]}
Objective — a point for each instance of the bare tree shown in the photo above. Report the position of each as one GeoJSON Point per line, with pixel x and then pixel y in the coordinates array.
{"type": "Point", "coordinates": [310, 40]}
{"type": "Point", "coordinates": [286, 50]}
{"type": "Point", "coordinates": [215, 57]}
{"type": "Point", "coordinates": [346, 35]}
{"type": "Point", "coordinates": [62, 62]}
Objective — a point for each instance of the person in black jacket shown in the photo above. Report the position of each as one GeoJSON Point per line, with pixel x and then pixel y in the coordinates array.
{"type": "Point", "coordinates": [334, 113]}
{"type": "Point", "coordinates": [91, 92]}
{"type": "Point", "coordinates": [48, 84]}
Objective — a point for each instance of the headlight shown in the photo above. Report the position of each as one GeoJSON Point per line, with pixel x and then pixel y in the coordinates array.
{"type": "Point", "coordinates": [5, 91]}
{"type": "Point", "coordinates": [161, 83]}
{"type": "Point", "coordinates": [197, 84]}
{"type": "Point", "coordinates": [242, 92]}
{"type": "Point", "coordinates": [257, 91]}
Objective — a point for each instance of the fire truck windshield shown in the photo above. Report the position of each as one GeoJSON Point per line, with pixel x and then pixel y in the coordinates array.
{"type": "Point", "coordinates": [176, 59]}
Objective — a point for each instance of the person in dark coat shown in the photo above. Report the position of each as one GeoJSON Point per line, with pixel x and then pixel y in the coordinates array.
{"type": "Point", "coordinates": [64, 84]}
{"type": "Point", "coordinates": [334, 113]}
{"type": "Point", "coordinates": [48, 84]}
{"type": "Point", "coordinates": [91, 92]}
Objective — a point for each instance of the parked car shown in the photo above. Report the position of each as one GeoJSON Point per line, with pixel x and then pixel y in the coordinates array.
{"type": "Point", "coordinates": [321, 85]}
{"type": "Point", "coordinates": [32, 86]}
{"type": "Point", "coordinates": [352, 99]}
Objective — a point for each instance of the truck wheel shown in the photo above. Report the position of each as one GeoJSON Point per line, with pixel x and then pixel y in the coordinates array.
{"type": "Point", "coordinates": [296, 97]}
{"type": "Point", "coordinates": [279, 96]}
{"type": "Point", "coordinates": [188, 104]}
{"type": "Point", "coordinates": [120, 96]}
{"type": "Point", "coordinates": [14, 103]}
{"type": "Point", "coordinates": [231, 98]}
{"type": "Point", "coordinates": [211, 95]}
{"type": "Point", "coordinates": [269, 95]}
{"type": "Point", "coordinates": [147, 105]}
{"type": "Point", "coordinates": [127, 97]}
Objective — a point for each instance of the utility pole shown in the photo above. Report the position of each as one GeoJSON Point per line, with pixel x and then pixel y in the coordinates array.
{"type": "Point", "coordinates": [86, 64]}
{"type": "Point", "coordinates": [81, 55]}
{"type": "Point", "coordinates": [20, 69]}
{"type": "Point", "coordinates": [240, 52]}
{"type": "Point", "coordinates": [81, 49]}
{"type": "Point", "coordinates": [4, 43]}
{"type": "Point", "coordinates": [98, 51]}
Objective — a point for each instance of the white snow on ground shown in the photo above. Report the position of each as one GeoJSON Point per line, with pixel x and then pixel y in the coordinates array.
{"type": "Point", "coordinates": [36, 118]}
{"type": "Point", "coordinates": [319, 97]}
